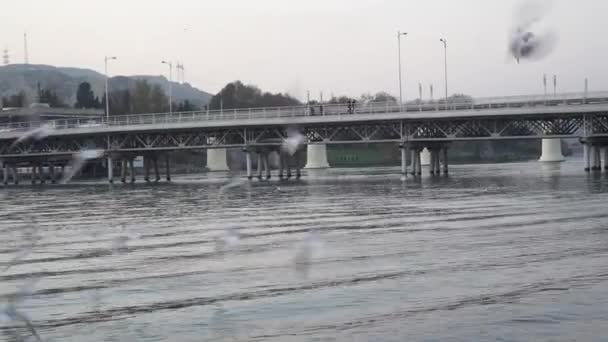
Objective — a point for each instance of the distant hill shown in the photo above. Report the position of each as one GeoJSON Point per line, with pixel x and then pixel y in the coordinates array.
{"type": "Point", "coordinates": [64, 81]}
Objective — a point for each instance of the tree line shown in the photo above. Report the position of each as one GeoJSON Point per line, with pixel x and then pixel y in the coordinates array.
{"type": "Point", "coordinates": [142, 98]}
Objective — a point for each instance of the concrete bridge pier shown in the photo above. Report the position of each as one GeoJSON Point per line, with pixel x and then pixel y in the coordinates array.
{"type": "Point", "coordinates": [419, 162]}
{"type": "Point", "coordinates": [15, 175]}
{"type": "Point", "coordinates": [597, 161]}
{"type": "Point", "coordinates": [296, 157]}
{"type": "Point", "coordinates": [41, 173]}
{"type": "Point", "coordinates": [265, 158]}
{"type": "Point", "coordinates": [168, 165]}
{"type": "Point", "coordinates": [131, 170]}
{"type": "Point", "coordinates": [217, 160]}
{"type": "Point", "coordinates": [156, 171]}
{"type": "Point", "coordinates": [437, 161]}
{"type": "Point", "coordinates": [413, 161]}
{"type": "Point", "coordinates": [260, 165]}
{"type": "Point", "coordinates": [288, 168]}
{"type": "Point", "coordinates": [4, 174]}
{"type": "Point", "coordinates": [404, 152]}
{"type": "Point", "coordinates": [110, 166]}
{"type": "Point", "coordinates": [123, 170]}
{"type": "Point", "coordinates": [34, 173]}
{"type": "Point", "coordinates": [445, 161]}
{"type": "Point", "coordinates": [552, 151]}
{"type": "Point", "coordinates": [147, 169]}
{"type": "Point", "coordinates": [432, 165]}
{"type": "Point", "coordinates": [425, 157]}
{"type": "Point", "coordinates": [52, 173]}
{"type": "Point", "coordinates": [316, 157]}
{"type": "Point", "coordinates": [282, 162]}
{"type": "Point", "coordinates": [587, 156]}
{"type": "Point", "coordinates": [248, 164]}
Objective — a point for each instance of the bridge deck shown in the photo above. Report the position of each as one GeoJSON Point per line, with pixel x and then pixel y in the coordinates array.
{"type": "Point", "coordinates": [561, 105]}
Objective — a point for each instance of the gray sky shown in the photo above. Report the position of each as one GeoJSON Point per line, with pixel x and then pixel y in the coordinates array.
{"type": "Point", "coordinates": [337, 46]}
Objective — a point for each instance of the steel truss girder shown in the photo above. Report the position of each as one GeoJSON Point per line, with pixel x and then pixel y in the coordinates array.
{"type": "Point", "coordinates": [343, 132]}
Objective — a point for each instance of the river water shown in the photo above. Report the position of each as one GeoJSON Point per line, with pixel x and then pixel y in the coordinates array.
{"type": "Point", "coordinates": [512, 252]}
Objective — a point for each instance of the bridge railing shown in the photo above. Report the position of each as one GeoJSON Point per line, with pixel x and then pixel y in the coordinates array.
{"type": "Point", "coordinates": [339, 110]}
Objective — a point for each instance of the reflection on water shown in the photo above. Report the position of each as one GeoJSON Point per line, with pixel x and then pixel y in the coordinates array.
{"type": "Point", "coordinates": [514, 252]}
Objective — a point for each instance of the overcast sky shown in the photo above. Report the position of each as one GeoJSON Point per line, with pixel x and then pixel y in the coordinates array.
{"type": "Point", "coordinates": [335, 46]}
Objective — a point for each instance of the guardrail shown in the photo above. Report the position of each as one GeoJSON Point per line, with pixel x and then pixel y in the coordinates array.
{"type": "Point", "coordinates": [315, 110]}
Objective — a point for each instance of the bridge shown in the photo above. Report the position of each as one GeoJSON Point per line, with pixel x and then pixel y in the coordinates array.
{"type": "Point", "coordinates": [261, 131]}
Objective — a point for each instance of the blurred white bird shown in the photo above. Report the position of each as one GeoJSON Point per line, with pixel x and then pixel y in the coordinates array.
{"type": "Point", "coordinates": [78, 161]}
{"type": "Point", "coordinates": [227, 241]}
{"type": "Point", "coordinates": [293, 142]}
{"type": "Point", "coordinates": [35, 134]}
{"type": "Point", "coordinates": [234, 183]}
{"type": "Point", "coordinates": [306, 251]}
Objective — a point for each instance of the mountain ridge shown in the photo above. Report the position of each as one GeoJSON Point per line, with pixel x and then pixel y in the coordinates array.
{"type": "Point", "coordinates": [65, 80]}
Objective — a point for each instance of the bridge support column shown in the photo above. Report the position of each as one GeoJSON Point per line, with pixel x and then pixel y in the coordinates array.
{"type": "Point", "coordinates": [15, 175]}
{"type": "Point", "coordinates": [296, 157]}
{"type": "Point", "coordinates": [287, 166]}
{"type": "Point", "coordinates": [445, 161]}
{"type": "Point", "coordinates": [147, 169]}
{"type": "Point", "coordinates": [156, 171]}
{"type": "Point", "coordinates": [587, 156]}
{"type": "Point", "coordinates": [403, 160]}
{"type": "Point", "coordinates": [41, 174]}
{"type": "Point", "coordinates": [282, 159]}
{"type": "Point", "coordinates": [5, 173]}
{"type": "Point", "coordinates": [168, 165]}
{"type": "Point", "coordinates": [216, 160]}
{"type": "Point", "coordinates": [34, 173]}
{"type": "Point", "coordinates": [414, 161]}
{"type": "Point", "coordinates": [260, 165]}
{"type": "Point", "coordinates": [438, 162]}
{"type": "Point", "coordinates": [606, 158]}
{"type": "Point", "coordinates": [552, 151]}
{"type": "Point", "coordinates": [597, 161]}
{"type": "Point", "coordinates": [110, 166]}
{"type": "Point", "coordinates": [123, 171]}
{"type": "Point", "coordinates": [432, 164]}
{"type": "Point", "coordinates": [418, 163]}
{"type": "Point", "coordinates": [248, 164]}
{"type": "Point", "coordinates": [131, 170]}
{"type": "Point", "coordinates": [52, 173]}
{"type": "Point", "coordinates": [316, 157]}
{"type": "Point", "coordinates": [425, 157]}
{"type": "Point", "coordinates": [592, 157]}
{"type": "Point", "coordinates": [267, 165]}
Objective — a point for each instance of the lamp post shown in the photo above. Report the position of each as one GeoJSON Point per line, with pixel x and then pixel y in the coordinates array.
{"type": "Point", "coordinates": [445, 59]}
{"type": "Point", "coordinates": [399, 34]}
{"type": "Point", "coordinates": [107, 97]}
{"type": "Point", "coordinates": [109, 162]}
{"type": "Point", "coordinates": [170, 85]}
{"type": "Point", "coordinates": [554, 86]}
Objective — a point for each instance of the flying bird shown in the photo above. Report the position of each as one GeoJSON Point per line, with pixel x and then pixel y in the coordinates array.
{"type": "Point", "coordinates": [527, 41]}
{"type": "Point", "coordinates": [78, 161]}
{"type": "Point", "coordinates": [35, 134]}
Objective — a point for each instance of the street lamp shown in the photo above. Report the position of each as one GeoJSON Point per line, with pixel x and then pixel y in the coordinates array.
{"type": "Point", "coordinates": [109, 164]}
{"type": "Point", "coordinates": [445, 59]}
{"type": "Point", "coordinates": [554, 86]}
{"type": "Point", "coordinates": [107, 97]}
{"type": "Point", "coordinates": [170, 85]}
{"type": "Point", "coordinates": [399, 34]}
